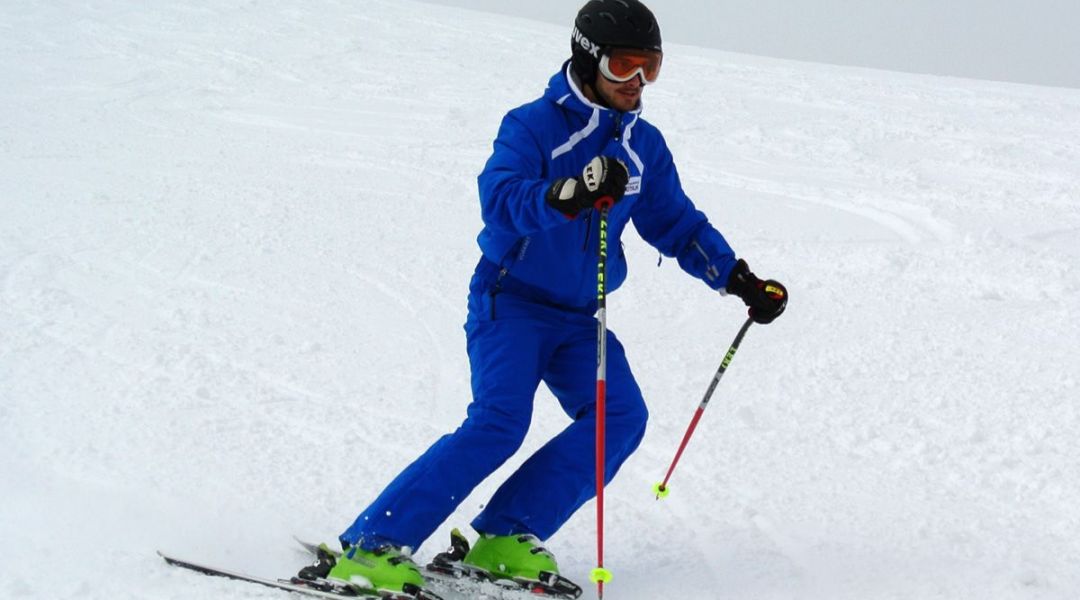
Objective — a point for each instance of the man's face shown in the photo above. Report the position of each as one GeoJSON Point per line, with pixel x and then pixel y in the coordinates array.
{"type": "Point", "coordinates": [622, 97]}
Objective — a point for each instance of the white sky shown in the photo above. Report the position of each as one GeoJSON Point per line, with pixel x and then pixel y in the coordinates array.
{"type": "Point", "coordinates": [1027, 41]}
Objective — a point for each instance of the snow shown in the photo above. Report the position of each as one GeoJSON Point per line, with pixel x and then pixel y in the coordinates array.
{"type": "Point", "coordinates": [234, 252]}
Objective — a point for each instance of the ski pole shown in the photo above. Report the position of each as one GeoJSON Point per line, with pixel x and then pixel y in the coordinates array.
{"type": "Point", "coordinates": [661, 488]}
{"type": "Point", "coordinates": [600, 575]}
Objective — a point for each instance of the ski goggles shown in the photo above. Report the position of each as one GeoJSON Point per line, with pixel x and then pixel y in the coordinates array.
{"type": "Point", "coordinates": [623, 64]}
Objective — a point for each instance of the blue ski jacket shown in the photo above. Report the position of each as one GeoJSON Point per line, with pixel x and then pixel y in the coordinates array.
{"type": "Point", "coordinates": [534, 251]}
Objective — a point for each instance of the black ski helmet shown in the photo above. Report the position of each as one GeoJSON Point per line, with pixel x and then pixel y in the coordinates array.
{"type": "Point", "coordinates": [603, 24]}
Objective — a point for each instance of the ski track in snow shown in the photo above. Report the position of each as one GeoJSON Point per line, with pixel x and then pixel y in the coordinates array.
{"type": "Point", "coordinates": [234, 255]}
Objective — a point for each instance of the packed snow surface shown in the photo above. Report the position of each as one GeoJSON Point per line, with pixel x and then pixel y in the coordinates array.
{"type": "Point", "coordinates": [235, 240]}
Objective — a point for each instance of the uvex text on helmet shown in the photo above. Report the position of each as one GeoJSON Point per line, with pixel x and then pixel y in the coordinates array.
{"type": "Point", "coordinates": [602, 24]}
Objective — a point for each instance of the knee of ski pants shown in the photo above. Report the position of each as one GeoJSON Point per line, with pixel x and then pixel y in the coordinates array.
{"type": "Point", "coordinates": [626, 418]}
{"type": "Point", "coordinates": [499, 432]}
{"type": "Point", "coordinates": [628, 423]}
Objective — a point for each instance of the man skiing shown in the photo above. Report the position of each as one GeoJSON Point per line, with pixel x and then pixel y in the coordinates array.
{"type": "Point", "coordinates": [532, 304]}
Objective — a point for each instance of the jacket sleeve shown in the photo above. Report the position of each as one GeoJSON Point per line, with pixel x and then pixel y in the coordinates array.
{"type": "Point", "coordinates": [511, 185]}
{"type": "Point", "coordinates": [666, 218]}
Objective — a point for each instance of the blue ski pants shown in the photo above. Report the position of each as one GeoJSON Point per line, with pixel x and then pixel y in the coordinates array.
{"type": "Point", "coordinates": [512, 348]}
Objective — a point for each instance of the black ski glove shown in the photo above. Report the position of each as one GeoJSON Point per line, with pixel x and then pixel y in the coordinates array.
{"type": "Point", "coordinates": [602, 181]}
{"type": "Point", "coordinates": [766, 299]}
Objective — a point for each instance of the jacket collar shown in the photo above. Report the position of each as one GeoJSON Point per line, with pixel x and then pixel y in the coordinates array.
{"type": "Point", "coordinates": [563, 90]}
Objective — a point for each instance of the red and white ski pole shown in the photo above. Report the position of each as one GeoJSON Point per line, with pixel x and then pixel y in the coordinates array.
{"type": "Point", "coordinates": [600, 575]}
{"type": "Point", "coordinates": [661, 488]}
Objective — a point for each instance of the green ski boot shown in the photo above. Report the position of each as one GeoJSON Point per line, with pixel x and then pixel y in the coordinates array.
{"type": "Point", "coordinates": [511, 557]}
{"type": "Point", "coordinates": [510, 560]}
{"type": "Point", "coordinates": [386, 570]}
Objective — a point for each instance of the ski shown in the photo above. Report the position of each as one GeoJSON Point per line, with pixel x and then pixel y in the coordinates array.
{"type": "Point", "coordinates": [450, 587]}
{"type": "Point", "coordinates": [464, 577]}
{"type": "Point", "coordinates": [447, 570]}
{"type": "Point", "coordinates": [318, 588]}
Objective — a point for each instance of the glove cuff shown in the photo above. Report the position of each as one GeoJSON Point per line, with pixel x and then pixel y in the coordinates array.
{"type": "Point", "coordinates": [564, 196]}
{"type": "Point", "coordinates": [741, 281]}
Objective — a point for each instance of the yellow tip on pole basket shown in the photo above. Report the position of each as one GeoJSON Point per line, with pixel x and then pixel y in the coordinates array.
{"type": "Point", "coordinates": [661, 491]}
{"type": "Point", "coordinates": [600, 574]}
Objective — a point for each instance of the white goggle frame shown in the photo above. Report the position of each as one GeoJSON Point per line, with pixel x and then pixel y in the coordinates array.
{"type": "Point", "coordinates": [605, 70]}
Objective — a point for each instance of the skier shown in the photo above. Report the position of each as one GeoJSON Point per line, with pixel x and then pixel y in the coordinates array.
{"type": "Point", "coordinates": [532, 304]}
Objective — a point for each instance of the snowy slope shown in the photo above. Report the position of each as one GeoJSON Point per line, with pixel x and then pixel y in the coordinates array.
{"type": "Point", "coordinates": [234, 246]}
